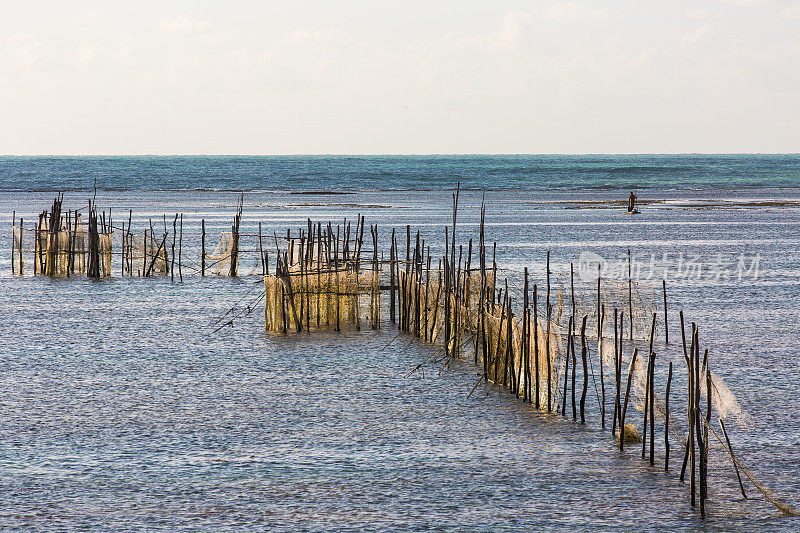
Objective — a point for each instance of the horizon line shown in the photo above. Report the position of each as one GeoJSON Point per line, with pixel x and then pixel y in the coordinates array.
{"type": "Point", "coordinates": [386, 154]}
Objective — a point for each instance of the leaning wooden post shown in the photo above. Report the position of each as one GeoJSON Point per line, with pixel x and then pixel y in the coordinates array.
{"type": "Point", "coordinates": [687, 360]}
{"type": "Point", "coordinates": [174, 239]}
{"type": "Point", "coordinates": [648, 395]}
{"type": "Point", "coordinates": [666, 419]}
{"type": "Point", "coordinates": [627, 396]}
{"type": "Point", "coordinates": [584, 351]}
{"type": "Point", "coordinates": [703, 445]}
{"type": "Point", "coordinates": [730, 450]}
{"type": "Point", "coordinates": [566, 369]}
{"type": "Point", "coordinates": [130, 241]}
{"type": "Point", "coordinates": [572, 342]}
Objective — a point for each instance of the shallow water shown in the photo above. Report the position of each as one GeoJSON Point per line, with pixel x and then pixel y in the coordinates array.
{"type": "Point", "coordinates": [121, 409]}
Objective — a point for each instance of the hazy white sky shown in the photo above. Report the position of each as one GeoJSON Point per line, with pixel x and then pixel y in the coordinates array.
{"type": "Point", "coordinates": [266, 77]}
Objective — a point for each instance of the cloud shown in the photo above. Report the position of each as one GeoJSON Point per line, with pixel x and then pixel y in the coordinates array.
{"type": "Point", "coordinates": [25, 50]}
{"type": "Point", "coordinates": [791, 12]}
{"type": "Point", "coordinates": [182, 23]}
{"type": "Point", "coordinates": [695, 37]}
{"type": "Point", "coordinates": [323, 36]}
{"type": "Point", "coordinates": [84, 53]}
{"type": "Point", "coordinates": [749, 3]}
{"type": "Point", "coordinates": [574, 12]}
{"type": "Point", "coordinates": [515, 29]}
{"type": "Point", "coordinates": [698, 13]}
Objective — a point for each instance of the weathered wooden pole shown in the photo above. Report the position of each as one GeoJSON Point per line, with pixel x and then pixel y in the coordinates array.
{"type": "Point", "coordinates": [261, 250]}
{"type": "Point", "coordinates": [174, 238]}
{"type": "Point", "coordinates": [21, 234]}
{"type": "Point", "coordinates": [648, 395]}
{"type": "Point", "coordinates": [391, 278]}
{"type": "Point", "coordinates": [574, 357]}
{"type": "Point", "coordinates": [536, 347]}
{"type": "Point", "coordinates": [203, 247]}
{"type": "Point", "coordinates": [566, 369]}
{"type": "Point", "coordinates": [601, 318]}
{"type": "Point", "coordinates": [687, 360]}
{"type": "Point", "coordinates": [616, 373]}
{"type": "Point", "coordinates": [692, 419]}
{"type": "Point", "coordinates": [666, 324]}
{"type": "Point", "coordinates": [619, 357]}
{"type": "Point", "coordinates": [180, 248]}
{"type": "Point", "coordinates": [13, 244]}
{"type": "Point", "coordinates": [627, 396]}
{"type": "Point", "coordinates": [549, 310]}
{"type": "Point", "coordinates": [730, 450]}
{"type": "Point", "coordinates": [572, 293]}
{"type": "Point", "coordinates": [584, 354]}
{"type": "Point", "coordinates": [666, 419]}
{"type": "Point", "coordinates": [336, 270]}
{"type": "Point", "coordinates": [525, 338]}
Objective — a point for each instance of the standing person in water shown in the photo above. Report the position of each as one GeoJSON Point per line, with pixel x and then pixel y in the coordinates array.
{"type": "Point", "coordinates": [631, 203]}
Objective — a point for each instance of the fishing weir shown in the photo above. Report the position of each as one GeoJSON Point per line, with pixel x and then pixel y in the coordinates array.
{"type": "Point", "coordinates": [559, 343]}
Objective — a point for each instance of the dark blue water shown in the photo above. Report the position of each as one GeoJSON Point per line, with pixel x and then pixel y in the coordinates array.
{"type": "Point", "coordinates": [121, 409]}
{"type": "Point", "coordinates": [527, 172]}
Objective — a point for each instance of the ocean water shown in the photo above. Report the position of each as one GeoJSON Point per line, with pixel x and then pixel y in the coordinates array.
{"type": "Point", "coordinates": [358, 173]}
{"type": "Point", "coordinates": [122, 409]}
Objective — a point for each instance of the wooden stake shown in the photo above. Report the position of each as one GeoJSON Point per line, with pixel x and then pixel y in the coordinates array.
{"type": "Point", "coordinates": [566, 368]}
{"type": "Point", "coordinates": [584, 353]}
{"type": "Point", "coordinates": [666, 419]}
{"type": "Point", "coordinates": [666, 325]}
{"type": "Point", "coordinates": [601, 318]}
{"type": "Point", "coordinates": [21, 234]}
{"type": "Point", "coordinates": [547, 340]}
{"type": "Point", "coordinates": [536, 348]}
{"type": "Point", "coordinates": [180, 248]}
{"type": "Point", "coordinates": [174, 238]}
{"type": "Point", "coordinates": [730, 450]}
{"type": "Point", "coordinates": [627, 395]}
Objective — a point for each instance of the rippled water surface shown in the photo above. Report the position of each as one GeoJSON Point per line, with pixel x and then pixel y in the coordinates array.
{"type": "Point", "coordinates": [120, 408]}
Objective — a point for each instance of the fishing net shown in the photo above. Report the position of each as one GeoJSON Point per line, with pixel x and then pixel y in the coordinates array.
{"type": "Point", "coordinates": [330, 299]}
{"type": "Point", "coordinates": [219, 261]}
{"type": "Point", "coordinates": [59, 253]}
{"type": "Point", "coordinates": [148, 255]}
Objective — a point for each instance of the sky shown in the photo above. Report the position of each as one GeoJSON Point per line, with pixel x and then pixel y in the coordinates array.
{"type": "Point", "coordinates": [362, 77]}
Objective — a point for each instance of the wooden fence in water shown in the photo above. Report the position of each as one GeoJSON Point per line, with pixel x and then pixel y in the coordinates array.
{"type": "Point", "coordinates": [324, 278]}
